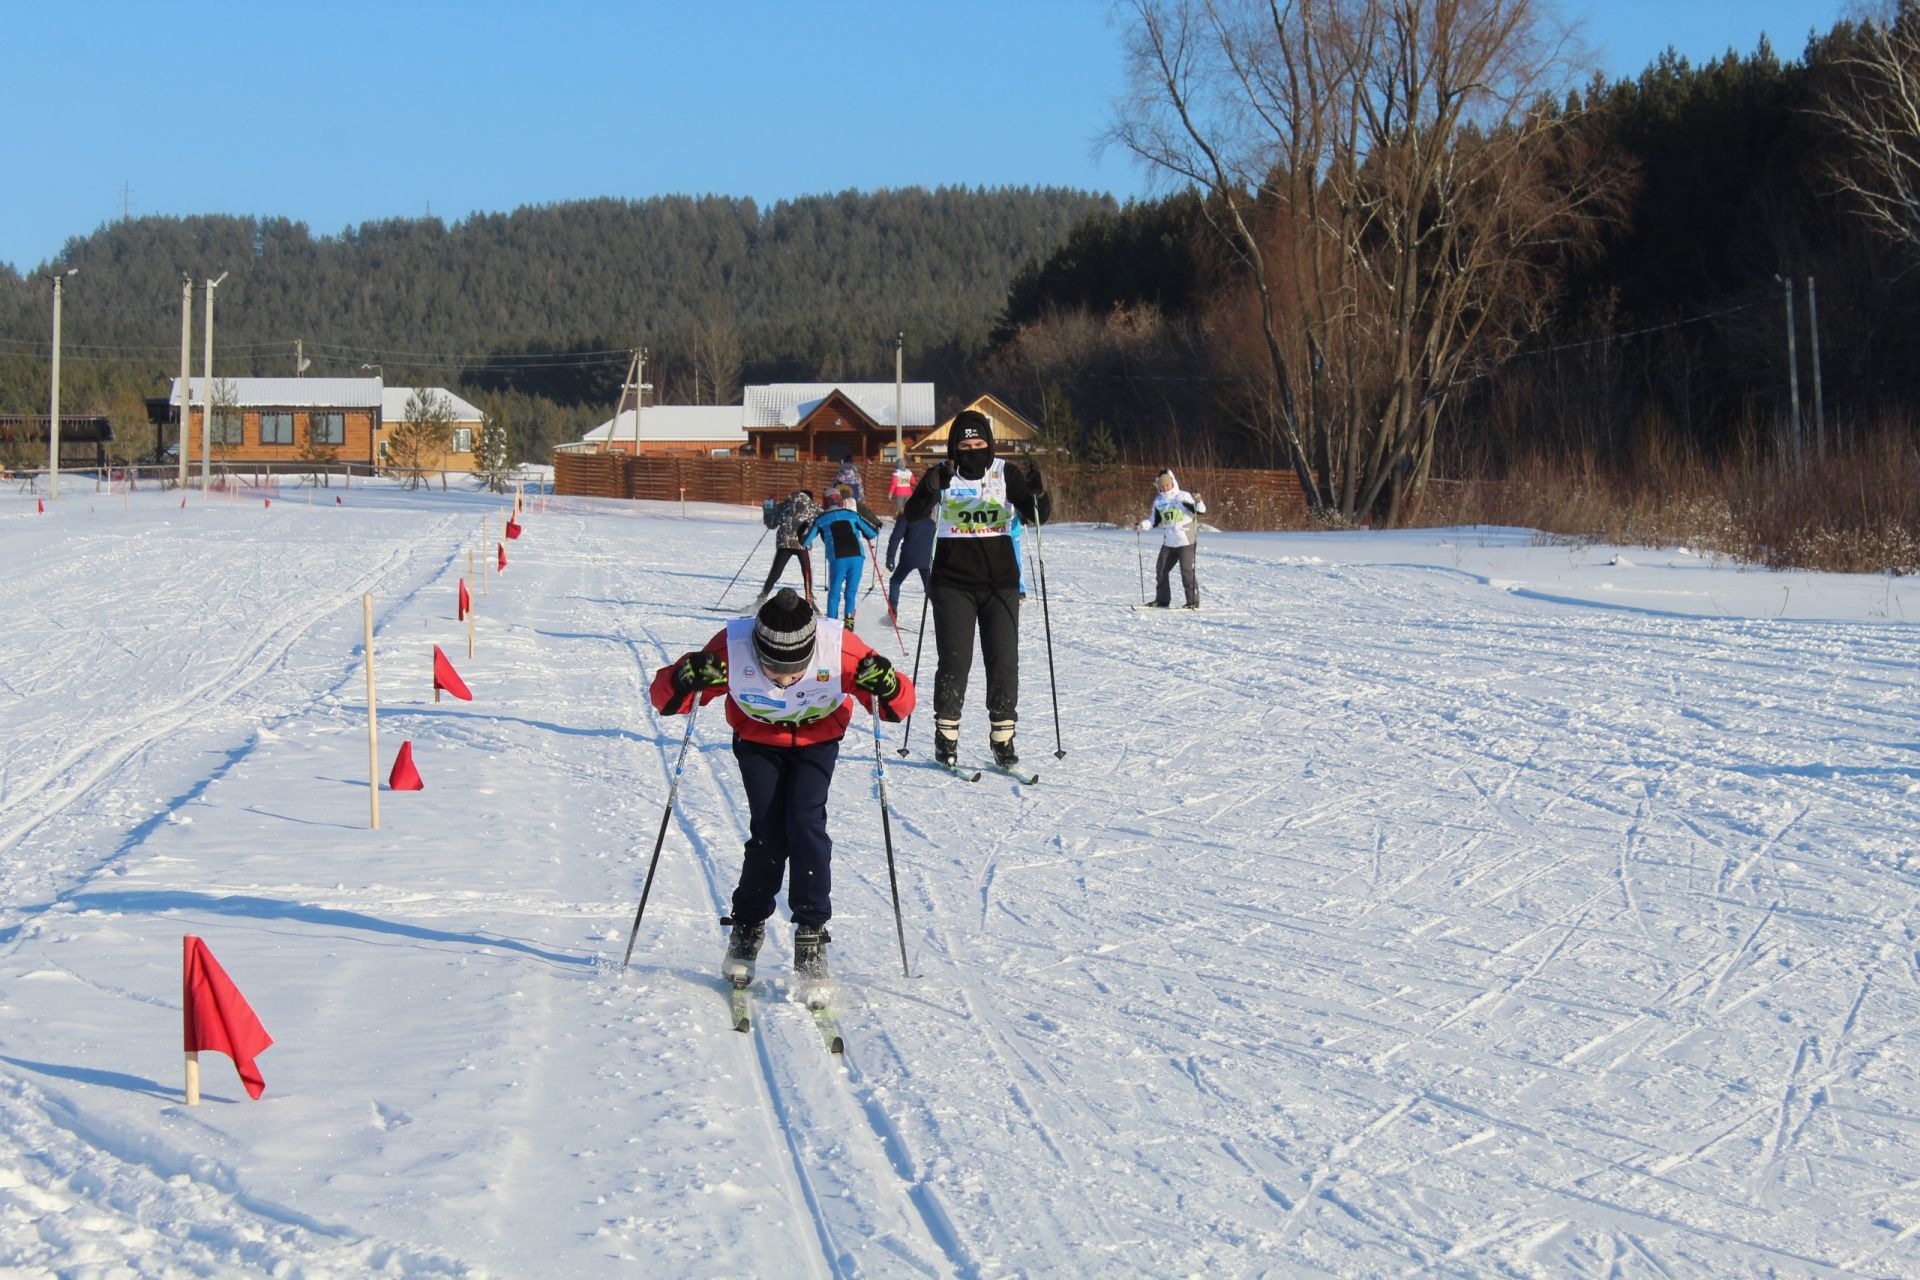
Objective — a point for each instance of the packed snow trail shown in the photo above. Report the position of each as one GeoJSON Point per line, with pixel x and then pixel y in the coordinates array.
{"type": "Point", "coordinates": [1430, 903]}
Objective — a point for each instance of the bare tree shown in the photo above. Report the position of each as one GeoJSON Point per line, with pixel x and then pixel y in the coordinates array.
{"type": "Point", "coordinates": [718, 357]}
{"type": "Point", "coordinates": [1875, 106]}
{"type": "Point", "coordinates": [1394, 183]}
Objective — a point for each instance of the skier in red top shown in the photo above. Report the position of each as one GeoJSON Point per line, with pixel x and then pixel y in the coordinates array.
{"type": "Point", "coordinates": [786, 675]}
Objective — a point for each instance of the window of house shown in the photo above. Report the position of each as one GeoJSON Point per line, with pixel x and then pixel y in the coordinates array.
{"type": "Point", "coordinates": [328, 428]}
{"type": "Point", "coordinates": [721, 453]}
{"type": "Point", "coordinates": [227, 427]}
{"type": "Point", "coordinates": [786, 453]}
{"type": "Point", "coordinates": [383, 451]}
{"type": "Point", "coordinates": [463, 439]}
{"type": "Point", "coordinates": [888, 453]}
{"type": "Point", "coordinates": [276, 428]}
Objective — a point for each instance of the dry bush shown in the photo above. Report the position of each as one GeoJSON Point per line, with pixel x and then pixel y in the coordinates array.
{"type": "Point", "coordinates": [1857, 511]}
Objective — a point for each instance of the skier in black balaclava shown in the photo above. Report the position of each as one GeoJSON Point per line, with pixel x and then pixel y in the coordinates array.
{"type": "Point", "coordinates": [975, 582]}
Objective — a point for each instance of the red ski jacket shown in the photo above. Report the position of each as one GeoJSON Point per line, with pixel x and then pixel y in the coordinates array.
{"type": "Point", "coordinates": [825, 729]}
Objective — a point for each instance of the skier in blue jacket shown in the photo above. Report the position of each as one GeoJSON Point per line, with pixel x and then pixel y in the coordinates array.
{"type": "Point", "coordinates": [840, 529]}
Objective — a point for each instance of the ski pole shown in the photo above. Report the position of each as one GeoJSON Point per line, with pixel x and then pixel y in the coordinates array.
{"type": "Point", "coordinates": [919, 644]}
{"type": "Point", "coordinates": [886, 831]}
{"type": "Point", "coordinates": [661, 838]}
{"type": "Point", "coordinates": [874, 552]}
{"type": "Point", "coordinates": [1040, 558]}
{"type": "Point", "coordinates": [743, 567]}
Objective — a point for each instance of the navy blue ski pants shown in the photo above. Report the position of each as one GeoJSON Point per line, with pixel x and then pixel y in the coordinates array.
{"type": "Point", "coordinates": [787, 801]}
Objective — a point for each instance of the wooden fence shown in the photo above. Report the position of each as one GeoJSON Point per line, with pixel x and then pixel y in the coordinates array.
{"type": "Point", "coordinates": [1116, 494]}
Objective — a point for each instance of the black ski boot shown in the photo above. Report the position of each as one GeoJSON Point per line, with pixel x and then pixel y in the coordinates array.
{"type": "Point", "coordinates": [743, 947]}
{"type": "Point", "coordinates": [1001, 740]}
{"type": "Point", "coordinates": [946, 742]}
{"type": "Point", "coordinates": [810, 964]}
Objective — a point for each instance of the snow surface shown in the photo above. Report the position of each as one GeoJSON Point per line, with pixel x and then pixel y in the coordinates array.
{"type": "Point", "coordinates": [1439, 904]}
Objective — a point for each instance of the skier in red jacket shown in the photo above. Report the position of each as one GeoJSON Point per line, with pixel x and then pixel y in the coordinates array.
{"type": "Point", "coordinates": [786, 675]}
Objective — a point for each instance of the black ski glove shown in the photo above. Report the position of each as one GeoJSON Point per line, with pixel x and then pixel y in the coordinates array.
{"type": "Point", "coordinates": [1034, 483]}
{"type": "Point", "coordinates": [877, 676]}
{"type": "Point", "coordinates": [697, 671]}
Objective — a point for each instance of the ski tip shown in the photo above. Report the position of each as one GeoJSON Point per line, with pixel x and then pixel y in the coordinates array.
{"type": "Point", "coordinates": [743, 1024]}
{"type": "Point", "coordinates": [838, 1046]}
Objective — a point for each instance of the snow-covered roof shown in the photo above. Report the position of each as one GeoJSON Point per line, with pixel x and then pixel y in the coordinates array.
{"type": "Point", "coordinates": [292, 393]}
{"type": "Point", "coordinates": [393, 404]}
{"type": "Point", "coordinates": [715, 424]}
{"type": "Point", "coordinates": [783, 404]}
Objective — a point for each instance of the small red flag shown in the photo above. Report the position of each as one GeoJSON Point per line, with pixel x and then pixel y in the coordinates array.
{"type": "Point", "coordinates": [503, 555]}
{"type": "Point", "coordinates": [404, 776]}
{"type": "Point", "coordinates": [183, 504]}
{"type": "Point", "coordinates": [336, 499]}
{"type": "Point", "coordinates": [42, 504]}
{"type": "Point", "coordinates": [445, 677]}
{"type": "Point", "coordinates": [268, 501]}
{"type": "Point", "coordinates": [218, 1017]}
{"type": "Point", "coordinates": [513, 529]}
{"type": "Point", "coordinates": [466, 601]}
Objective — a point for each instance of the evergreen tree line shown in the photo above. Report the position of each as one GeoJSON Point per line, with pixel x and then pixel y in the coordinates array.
{"type": "Point", "coordinates": [1656, 330]}
{"type": "Point", "coordinates": [532, 314]}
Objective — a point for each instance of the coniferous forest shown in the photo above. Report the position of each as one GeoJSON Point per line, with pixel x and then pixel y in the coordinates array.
{"type": "Point", "coordinates": [1564, 305]}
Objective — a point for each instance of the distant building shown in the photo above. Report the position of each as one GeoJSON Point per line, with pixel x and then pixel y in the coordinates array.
{"type": "Point", "coordinates": [832, 422]}
{"type": "Point", "coordinates": [670, 431]}
{"type": "Point", "coordinates": [270, 420]}
{"type": "Point", "coordinates": [1012, 433]}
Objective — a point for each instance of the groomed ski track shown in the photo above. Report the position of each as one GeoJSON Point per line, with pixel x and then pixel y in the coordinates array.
{"type": "Point", "coordinates": [1451, 905]}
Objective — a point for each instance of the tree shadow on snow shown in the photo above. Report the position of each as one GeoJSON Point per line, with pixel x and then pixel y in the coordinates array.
{"type": "Point", "coordinates": [253, 908]}
{"type": "Point", "coordinates": [92, 1075]}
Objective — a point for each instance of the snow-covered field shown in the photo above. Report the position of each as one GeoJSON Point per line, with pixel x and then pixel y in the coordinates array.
{"type": "Point", "coordinates": [1433, 903]}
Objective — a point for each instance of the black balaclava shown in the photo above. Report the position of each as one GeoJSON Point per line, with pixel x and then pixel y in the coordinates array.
{"type": "Point", "coordinates": [970, 424]}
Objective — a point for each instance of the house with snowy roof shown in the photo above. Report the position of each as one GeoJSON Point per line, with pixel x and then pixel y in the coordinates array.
{"type": "Point", "coordinates": [273, 422]}
{"type": "Point", "coordinates": [833, 421]}
{"type": "Point", "coordinates": [669, 431]}
{"type": "Point", "coordinates": [1012, 432]}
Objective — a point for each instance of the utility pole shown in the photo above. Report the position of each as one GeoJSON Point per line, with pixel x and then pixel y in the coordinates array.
{"type": "Point", "coordinates": [206, 395]}
{"type": "Point", "coordinates": [1819, 402]}
{"type": "Point", "coordinates": [1793, 366]}
{"type": "Point", "coordinates": [639, 394]}
{"type": "Point", "coordinates": [53, 413]}
{"type": "Point", "coordinates": [299, 357]}
{"type": "Point", "coordinates": [899, 394]}
{"type": "Point", "coordinates": [186, 367]}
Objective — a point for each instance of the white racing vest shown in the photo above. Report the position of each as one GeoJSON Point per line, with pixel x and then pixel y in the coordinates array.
{"type": "Point", "coordinates": [1170, 515]}
{"type": "Point", "coordinates": [814, 696]}
{"type": "Point", "coordinates": [975, 508]}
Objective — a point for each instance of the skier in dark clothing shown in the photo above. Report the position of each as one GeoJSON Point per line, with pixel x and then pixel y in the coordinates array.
{"type": "Point", "coordinates": [975, 580]}
{"type": "Point", "coordinates": [786, 676]}
{"type": "Point", "coordinates": [790, 541]}
{"type": "Point", "coordinates": [909, 550]}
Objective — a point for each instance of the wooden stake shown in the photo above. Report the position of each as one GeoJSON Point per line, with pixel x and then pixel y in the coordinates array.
{"type": "Point", "coordinates": [486, 536]}
{"type": "Point", "coordinates": [468, 580]}
{"type": "Point", "coordinates": [373, 719]}
{"type": "Point", "coordinates": [186, 1004]}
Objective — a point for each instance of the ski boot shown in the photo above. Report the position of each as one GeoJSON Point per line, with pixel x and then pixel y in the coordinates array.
{"type": "Point", "coordinates": [946, 742]}
{"type": "Point", "coordinates": [1001, 739]}
{"type": "Point", "coordinates": [810, 964]}
{"type": "Point", "coordinates": [743, 946]}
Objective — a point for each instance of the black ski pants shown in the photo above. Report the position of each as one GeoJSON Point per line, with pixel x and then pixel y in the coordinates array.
{"type": "Point", "coordinates": [1189, 580]}
{"type": "Point", "coordinates": [787, 827]}
{"type": "Point", "coordinates": [780, 557]}
{"type": "Point", "coordinates": [900, 574]}
{"type": "Point", "coordinates": [957, 613]}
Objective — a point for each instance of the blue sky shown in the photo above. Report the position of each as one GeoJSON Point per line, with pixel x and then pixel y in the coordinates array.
{"type": "Point", "coordinates": [333, 114]}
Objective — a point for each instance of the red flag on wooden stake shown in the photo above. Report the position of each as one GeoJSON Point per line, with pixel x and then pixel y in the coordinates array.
{"type": "Point", "coordinates": [513, 529]}
{"type": "Point", "coordinates": [42, 504]}
{"type": "Point", "coordinates": [502, 547]}
{"type": "Point", "coordinates": [336, 500]}
{"type": "Point", "coordinates": [404, 776]}
{"type": "Point", "coordinates": [218, 1017]}
{"type": "Point", "coordinates": [268, 501]}
{"type": "Point", "coordinates": [466, 601]}
{"type": "Point", "coordinates": [445, 677]}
